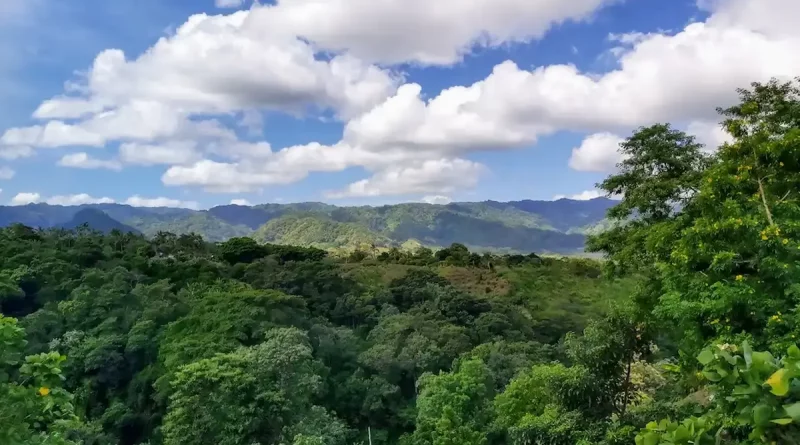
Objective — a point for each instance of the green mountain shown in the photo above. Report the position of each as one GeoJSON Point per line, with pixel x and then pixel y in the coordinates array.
{"type": "Point", "coordinates": [97, 220]}
{"type": "Point", "coordinates": [521, 226]}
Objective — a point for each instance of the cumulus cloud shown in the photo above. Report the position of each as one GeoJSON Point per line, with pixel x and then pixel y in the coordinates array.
{"type": "Point", "coordinates": [138, 201]}
{"type": "Point", "coordinates": [83, 160]}
{"type": "Point", "coordinates": [710, 134]}
{"type": "Point", "coordinates": [7, 173]}
{"type": "Point", "coordinates": [226, 63]}
{"type": "Point", "coordinates": [16, 152]}
{"type": "Point", "coordinates": [582, 196]}
{"type": "Point", "coordinates": [438, 176]}
{"type": "Point", "coordinates": [170, 153]}
{"type": "Point", "coordinates": [436, 199]}
{"type": "Point", "coordinates": [25, 198]}
{"type": "Point", "coordinates": [53, 134]}
{"type": "Point", "coordinates": [393, 31]}
{"type": "Point", "coordinates": [240, 202]}
{"type": "Point", "coordinates": [269, 58]}
{"type": "Point", "coordinates": [64, 200]}
{"type": "Point", "coordinates": [597, 153]}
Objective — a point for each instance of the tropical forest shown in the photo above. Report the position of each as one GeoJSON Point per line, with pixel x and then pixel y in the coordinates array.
{"type": "Point", "coordinates": [677, 322]}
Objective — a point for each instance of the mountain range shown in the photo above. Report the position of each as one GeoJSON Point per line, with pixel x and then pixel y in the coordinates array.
{"type": "Point", "coordinates": [517, 226]}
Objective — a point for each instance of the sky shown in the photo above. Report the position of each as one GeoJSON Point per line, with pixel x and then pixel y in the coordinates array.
{"type": "Point", "coordinates": [197, 103]}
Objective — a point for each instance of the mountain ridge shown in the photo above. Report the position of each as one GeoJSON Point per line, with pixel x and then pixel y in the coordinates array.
{"type": "Point", "coordinates": [545, 226]}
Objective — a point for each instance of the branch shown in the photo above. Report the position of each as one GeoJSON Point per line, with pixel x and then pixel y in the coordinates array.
{"type": "Point", "coordinates": [764, 201]}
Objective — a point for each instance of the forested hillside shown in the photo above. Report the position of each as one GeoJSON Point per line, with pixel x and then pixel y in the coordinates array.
{"type": "Point", "coordinates": [519, 226]}
{"type": "Point", "coordinates": [685, 334]}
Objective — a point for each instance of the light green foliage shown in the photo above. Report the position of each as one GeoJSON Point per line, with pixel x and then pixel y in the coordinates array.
{"type": "Point", "coordinates": [737, 260]}
{"type": "Point", "coordinates": [35, 409]}
{"type": "Point", "coordinates": [546, 405]}
{"type": "Point", "coordinates": [754, 399]}
{"type": "Point", "coordinates": [453, 408]}
{"type": "Point", "coordinates": [223, 318]}
{"type": "Point", "coordinates": [252, 395]}
{"type": "Point", "coordinates": [317, 232]}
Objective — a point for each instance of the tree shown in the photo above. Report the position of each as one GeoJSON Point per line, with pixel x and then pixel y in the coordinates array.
{"type": "Point", "coordinates": [36, 410]}
{"type": "Point", "coordinates": [241, 250]}
{"type": "Point", "coordinates": [660, 172]}
{"type": "Point", "coordinates": [453, 408]}
{"type": "Point", "coordinates": [734, 266]}
{"type": "Point", "coordinates": [260, 394]}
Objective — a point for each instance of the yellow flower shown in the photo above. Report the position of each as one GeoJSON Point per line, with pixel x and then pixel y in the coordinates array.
{"type": "Point", "coordinates": [43, 391]}
{"type": "Point", "coordinates": [785, 241]}
{"type": "Point", "coordinates": [739, 278]}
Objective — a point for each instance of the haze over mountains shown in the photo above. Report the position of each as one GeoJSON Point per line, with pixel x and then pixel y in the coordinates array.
{"type": "Point", "coordinates": [524, 226]}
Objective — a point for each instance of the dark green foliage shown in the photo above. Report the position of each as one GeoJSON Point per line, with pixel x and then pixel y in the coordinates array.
{"type": "Point", "coordinates": [173, 340]}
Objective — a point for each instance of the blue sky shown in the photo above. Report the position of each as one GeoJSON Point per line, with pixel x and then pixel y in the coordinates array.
{"type": "Point", "coordinates": [527, 100]}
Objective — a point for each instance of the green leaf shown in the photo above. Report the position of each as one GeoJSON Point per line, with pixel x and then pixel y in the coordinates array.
{"type": "Point", "coordinates": [794, 352]}
{"type": "Point", "coordinates": [748, 353]}
{"type": "Point", "coordinates": [793, 410]}
{"type": "Point", "coordinates": [779, 381]}
{"type": "Point", "coordinates": [681, 434]}
{"type": "Point", "coordinates": [705, 357]}
{"type": "Point", "coordinates": [712, 376]}
{"type": "Point", "coordinates": [783, 421]}
{"type": "Point", "coordinates": [762, 414]}
{"type": "Point", "coordinates": [761, 360]}
{"type": "Point", "coordinates": [651, 439]}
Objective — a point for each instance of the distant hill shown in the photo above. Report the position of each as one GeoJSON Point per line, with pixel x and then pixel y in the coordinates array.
{"type": "Point", "coordinates": [521, 226]}
{"type": "Point", "coordinates": [97, 220]}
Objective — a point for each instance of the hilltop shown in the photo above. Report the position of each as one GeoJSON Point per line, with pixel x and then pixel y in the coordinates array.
{"type": "Point", "coordinates": [517, 226]}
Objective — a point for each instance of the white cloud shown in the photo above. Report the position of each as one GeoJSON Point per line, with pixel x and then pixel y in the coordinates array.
{"type": "Point", "coordinates": [53, 134]}
{"type": "Point", "coordinates": [79, 199]}
{"type": "Point", "coordinates": [83, 160]}
{"type": "Point", "coordinates": [64, 200]}
{"type": "Point", "coordinates": [240, 202]}
{"type": "Point", "coordinates": [597, 153]}
{"type": "Point", "coordinates": [437, 176]}
{"type": "Point", "coordinates": [83, 198]}
{"type": "Point", "coordinates": [582, 196]}
{"type": "Point", "coordinates": [221, 177]}
{"type": "Point", "coordinates": [587, 195]}
{"type": "Point", "coordinates": [170, 153]}
{"type": "Point", "coordinates": [251, 61]}
{"type": "Point", "coordinates": [228, 3]}
{"type": "Point", "coordinates": [226, 63]}
{"type": "Point", "coordinates": [21, 199]}
{"type": "Point", "coordinates": [437, 199]}
{"type": "Point", "coordinates": [138, 201]}
{"type": "Point", "coordinates": [395, 31]}
{"type": "Point", "coordinates": [710, 134]}
{"type": "Point", "coordinates": [7, 172]}
{"type": "Point", "coordinates": [16, 152]}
